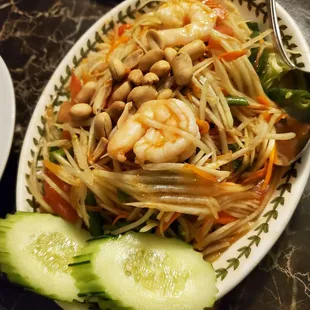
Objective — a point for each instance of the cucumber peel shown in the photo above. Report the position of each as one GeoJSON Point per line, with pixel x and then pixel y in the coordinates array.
{"type": "Point", "coordinates": [35, 250]}
{"type": "Point", "coordinates": [143, 271]}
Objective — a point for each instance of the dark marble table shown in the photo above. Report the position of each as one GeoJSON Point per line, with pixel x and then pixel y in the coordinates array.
{"type": "Point", "coordinates": [34, 36]}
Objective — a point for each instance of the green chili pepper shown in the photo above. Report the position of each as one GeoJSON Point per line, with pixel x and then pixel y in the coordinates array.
{"type": "Point", "coordinates": [238, 101]}
{"type": "Point", "coordinates": [295, 102]}
{"type": "Point", "coordinates": [272, 70]}
{"type": "Point", "coordinates": [255, 29]}
{"type": "Point", "coordinates": [263, 61]}
{"type": "Point", "coordinates": [253, 55]}
{"type": "Point", "coordinates": [253, 26]}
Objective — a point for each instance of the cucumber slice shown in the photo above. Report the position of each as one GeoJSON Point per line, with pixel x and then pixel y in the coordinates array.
{"type": "Point", "coordinates": [35, 250]}
{"type": "Point", "coordinates": [143, 271]}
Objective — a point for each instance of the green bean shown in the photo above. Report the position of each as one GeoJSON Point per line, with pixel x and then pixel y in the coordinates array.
{"type": "Point", "coordinates": [295, 102]}
{"type": "Point", "coordinates": [237, 101]}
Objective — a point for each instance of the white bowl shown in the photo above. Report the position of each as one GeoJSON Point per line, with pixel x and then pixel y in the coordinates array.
{"type": "Point", "coordinates": [246, 253]}
{"type": "Point", "coordinates": [7, 115]}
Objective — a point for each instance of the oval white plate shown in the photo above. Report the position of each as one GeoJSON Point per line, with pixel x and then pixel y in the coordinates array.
{"type": "Point", "coordinates": [247, 252]}
{"type": "Point", "coordinates": [7, 115]}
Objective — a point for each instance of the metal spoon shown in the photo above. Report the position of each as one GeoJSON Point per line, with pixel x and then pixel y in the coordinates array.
{"type": "Point", "coordinates": [291, 150]}
{"type": "Point", "coordinates": [277, 37]}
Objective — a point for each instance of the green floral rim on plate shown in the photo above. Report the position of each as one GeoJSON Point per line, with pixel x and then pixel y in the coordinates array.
{"type": "Point", "coordinates": [129, 13]}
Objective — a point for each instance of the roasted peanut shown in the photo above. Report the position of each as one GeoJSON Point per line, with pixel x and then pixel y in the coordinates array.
{"type": "Point", "coordinates": [155, 40]}
{"type": "Point", "coordinates": [150, 78]}
{"type": "Point", "coordinates": [136, 77]}
{"type": "Point", "coordinates": [166, 94]}
{"type": "Point", "coordinates": [169, 53]}
{"type": "Point", "coordinates": [182, 68]}
{"type": "Point", "coordinates": [133, 59]}
{"type": "Point", "coordinates": [81, 123]}
{"type": "Point", "coordinates": [142, 94]}
{"type": "Point", "coordinates": [194, 49]}
{"type": "Point", "coordinates": [161, 68]}
{"type": "Point", "coordinates": [100, 100]}
{"type": "Point", "coordinates": [122, 92]}
{"type": "Point", "coordinates": [102, 125]}
{"type": "Point", "coordinates": [86, 92]}
{"type": "Point", "coordinates": [149, 59]}
{"type": "Point", "coordinates": [115, 110]}
{"type": "Point", "coordinates": [117, 69]}
{"type": "Point", "coordinates": [80, 111]}
{"type": "Point", "coordinates": [100, 149]}
{"type": "Point", "coordinates": [169, 82]}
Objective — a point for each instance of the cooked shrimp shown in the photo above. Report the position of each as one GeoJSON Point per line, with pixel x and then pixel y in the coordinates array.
{"type": "Point", "coordinates": [184, 22]}
{"type": "Point", "coordinates": [155, 145]}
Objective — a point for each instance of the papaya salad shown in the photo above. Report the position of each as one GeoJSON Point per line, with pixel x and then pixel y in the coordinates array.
{"type": "Point", "coordinates": [169, 127]}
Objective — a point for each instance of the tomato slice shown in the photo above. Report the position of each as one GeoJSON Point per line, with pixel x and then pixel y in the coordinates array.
{"type": "Point", "coordinates": [75, 87]}
{"type": "Point", "coordinates": [65, 135]}
{"type": "Point", "coordinates": [63, 113]}
{"type": "Point", "coordinates": [56, 202]}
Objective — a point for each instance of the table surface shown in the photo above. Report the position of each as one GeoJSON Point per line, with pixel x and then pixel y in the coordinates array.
{"type": "Point", "coordinates": [34, 36]}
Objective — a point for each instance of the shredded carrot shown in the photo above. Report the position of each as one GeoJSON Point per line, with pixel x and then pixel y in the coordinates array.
{"type": "Point", "coordinates": [196, 91]}
{"type": "Point", "coordinates": [225, 30]}
{"type": "Point", "coordinates": [263, 100]}
{"type": "Point", "coordinates": [224, 218]}
{"type": "Point", "coordinates": [271, 161]}
{"type": "Point", "coordinates": [123, 28]}
{"type": "Point", "coordinates": [122, 39]}
{"type": "Point", "coordinates": [50, 166]}
{"type": "Point", "coordinates": [266, 116]}
{"type": "Point", "coordinates": [172, 219]}
{"type": "Point", "coordinates": [214, 44]}
{"type": "Point", "coordinates": [231, 56]}
{"type": "Point", "coordinates": [85, 77]}
{"type": "Point", "coordinates": [122, 215]}
{"type": "Point", "coordinates": [186, 20]}
{"type": "Point", "coordinates": [204, 126]}
{"type": "Point", "coordinates": [254, 176]}
{"type": "Point", "coordinates": [209, 2]}
{"type": "Point", "coordinates": [224, 91]}
{"type": "Point", "coordinates": [201, 173]}
{"type": "Point", "coordinates": [75, 87]}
